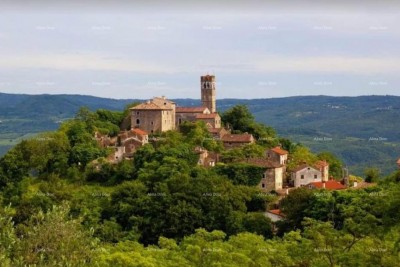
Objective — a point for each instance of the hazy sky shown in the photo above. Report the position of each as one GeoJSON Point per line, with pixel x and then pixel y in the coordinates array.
{"type": "Point", "coordinates": [256, 50]}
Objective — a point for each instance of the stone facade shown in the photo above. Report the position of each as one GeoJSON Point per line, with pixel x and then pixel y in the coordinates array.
{"type": "Point", "coordinates": [160, 114]}
{"type": "Point", "coordinates": [237, 140]}
{"type": "Point", "coordinates": [273, 175]}
{"type": "Point", "coordinates": [211, 120]}
{"type": "Point", "coordinates": [278, 155]}
{"type": "Point", "coordinates": [189, 114]}
{"type": "Point", "coordinates": [154, 116]}
{"type": "Point", "coordinates": [208, 92]}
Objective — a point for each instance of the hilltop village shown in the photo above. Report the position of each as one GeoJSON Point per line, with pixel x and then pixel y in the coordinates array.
{"type": "Point", "coordinates": [160, 114]}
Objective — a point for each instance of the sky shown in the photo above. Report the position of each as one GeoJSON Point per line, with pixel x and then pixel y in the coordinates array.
{"type": "Point", "coordinates": [256, 49]}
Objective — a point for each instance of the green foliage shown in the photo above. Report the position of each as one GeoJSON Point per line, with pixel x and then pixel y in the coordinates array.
{"type": "Point", "coordinates": [372, 175]}
{"type": "Point", "coordinates": [241, 173]}
{"type": "Point", "coordinates": [240, 119]}
{"type": "Point", "coordinates": [300, 156]}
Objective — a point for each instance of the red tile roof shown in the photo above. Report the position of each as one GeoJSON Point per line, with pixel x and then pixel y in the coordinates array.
{"type": "Point", "coordinates": [264, 163]}
{"type": "Point", "coordinates": [139, 131]}
{"type": "Point", "coordinates": [330, 185]}
{"type": "Point", "coordinates": [207, 116]}
{"type": "Point", "coordinates": [238, 138]}
{"type": "Point", "coordinates": [279, 151]}
{"type": "Point", "coordinates": [276, 212]}
{"type": "Point", "coordinates": [190, 109]}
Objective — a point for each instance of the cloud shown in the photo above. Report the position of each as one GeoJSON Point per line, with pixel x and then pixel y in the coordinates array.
{"type": "Point", "coordinates": [78, 62]}
{"type": "Point", "coordinates": [350, 65]}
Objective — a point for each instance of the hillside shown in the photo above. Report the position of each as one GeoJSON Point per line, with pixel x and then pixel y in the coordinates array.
{"type": "Point", "coordinates": [343, 125]}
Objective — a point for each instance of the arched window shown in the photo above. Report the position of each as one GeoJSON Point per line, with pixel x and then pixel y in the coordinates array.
{"type": "Point", "coordinates": [137, 121]}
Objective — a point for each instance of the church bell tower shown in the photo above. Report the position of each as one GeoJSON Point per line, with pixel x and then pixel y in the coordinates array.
{"type": "Point", "coordinates": [208, 96]}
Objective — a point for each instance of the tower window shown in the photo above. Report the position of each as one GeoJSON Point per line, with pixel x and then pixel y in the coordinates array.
{"type": "Point", "coordinates": [137, 121]}
{"type": "Point", "coordinates": [302, 177]}
{"type": "Point", "coordinates": [137, 113]}
{"type": "Point", "coordinates": [315, 176]}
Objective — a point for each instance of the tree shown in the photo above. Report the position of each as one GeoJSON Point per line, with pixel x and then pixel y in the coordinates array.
{"type": "Point", "coordinates": [372, 175]}
{"type": "Point", "coordinates": [241, 120]}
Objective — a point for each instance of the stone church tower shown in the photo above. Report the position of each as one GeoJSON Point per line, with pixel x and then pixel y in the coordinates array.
{"type": "Point", "coordinates": [208, 97]}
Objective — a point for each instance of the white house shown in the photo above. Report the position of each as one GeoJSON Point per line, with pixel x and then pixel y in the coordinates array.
{"type": "Point", "coordinates": [304, 175]}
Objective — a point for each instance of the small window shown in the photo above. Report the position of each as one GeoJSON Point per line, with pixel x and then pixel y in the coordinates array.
{"type": "Point", "coordinates": [302, 176]}
{"type": "Point", "coordinates": [263, 185]}
{"type": "Point", "coordinates": [152, 131]}
{"type": "Point", "coordinates": [137, 113]}
{"type": "Point", "coordinates": [137, 121]}
{"type": "Point", "coordinates": [180, 121]}
{"type": "Point", "coordinates": [315, 176]}
{"type": "Point", "coordinates": [152, 123]}
{"type": "Point", "coordinates": [263, 175]}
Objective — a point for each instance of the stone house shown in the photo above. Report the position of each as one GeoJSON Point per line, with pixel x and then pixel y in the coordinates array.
{"type": "Point", "coordinates": [278, 155]}
{"type": "Point", "coordinates": [131, 140]}
{"type": "Point", "coordinates": [272, 178]}
{"type": "Point", "coordinates": [323, 167]}
{"type": "Point", "coordinates": [206, 158]}
{"type": "Point", "coordinates": [154, 116]}
{"type": "Point", "coordinates": [237, 140]}
{"type": "Point", "coordinates": [217, 133]}
{"type": "Point", "coordinates": [211, 120]}
{"type": "Point", "coordinates": [304, 175]}
{"type": "Point", "coordinates": [189, 114]}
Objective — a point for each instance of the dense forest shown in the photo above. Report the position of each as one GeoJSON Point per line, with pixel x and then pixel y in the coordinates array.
{"type": "Point", "coordinates": [64, 204]}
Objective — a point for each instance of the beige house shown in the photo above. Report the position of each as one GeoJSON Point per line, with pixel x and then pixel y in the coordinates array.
{"type": "Point", "coordinates": [323, 167]}
{"type": "Point", "coordinates": [217, 133]}
{"type": "Point", "coordinates": [206, 158]}
{"type": "Point", "coordinates": [278, 155]}
{"type": "Point", "coordinates": [211, 120]}
{"type": "Point", "coordinates": [237, 140]}
{"type": "Point", "coordinates": [154, 116]}
{"type": "Point", "coordinates": [304, 175]}
{"type": "Point", "coordinates": [273, 175]}
{"type": "Point", "coordinates": [189, 114]}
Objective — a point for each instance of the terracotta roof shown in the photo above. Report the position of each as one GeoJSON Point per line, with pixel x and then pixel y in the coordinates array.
{"type": "Point", "coordinates": [276, 212]}
{"type": "Point", "coordinates": [148, 106]}
{"type": "Point", "coordinates": [215, 130]}
{"type": "Point", "coordinates": [330, 185]}
{"type": "Point", "coordinates": [190, 109]}
{"type": "Point", "coordinates": [279, 151]}
{"type": "Point", "coordinates": [237, 138]}
{"type": "Point", "coordinates": [207, 116]}
{"type": "Point", "coordinates": [139, 131]}
{"type": "Point", "coordinates": [265, 163]}
{"type": "Point", "coordinates": [321, 163]}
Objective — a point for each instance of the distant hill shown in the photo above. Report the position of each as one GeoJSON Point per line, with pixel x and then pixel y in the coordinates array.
{"type": "Point", "coordinates": [364, 131]}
